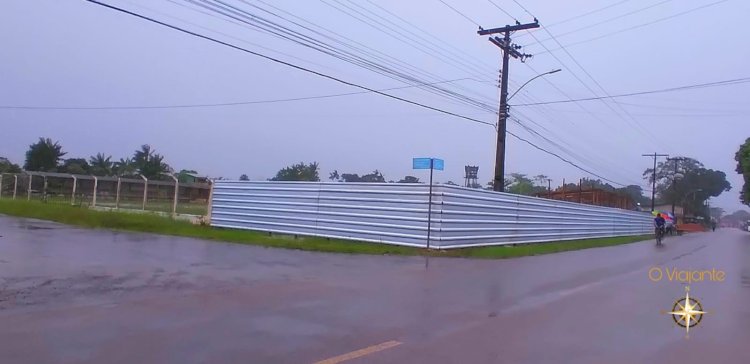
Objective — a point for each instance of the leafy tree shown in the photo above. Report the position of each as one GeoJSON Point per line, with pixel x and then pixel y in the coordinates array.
{"type": "Point", "coordinates": [101, 165]}
{"type": "Point", "coordinates": [522, 185]}
{"type": "Point", "coordinates": [743, 167]}
{"type": "Point", "coordinates": [244, 177]}
{"type": "Point", "coordinates": [298, 172]}
{"type": "Point", "coordinates": [149, 163]}
{"type": "Point", "coordinates": [692, 187]}
{"type": "Point", "coordinates": [717, 212]}
{"type": "Point", "coordinates": [374, 177]}
{"type": "Point", "coordinates": [75, 166]}
{"type": "Point", "coordinates": [125, 167]}
{"type": "Point", "coordinates": [6, 166]}
{"type": "Point", "coordinates": [334, 176]}
{"type": "Point", "coordinates": [43, 156]}
{"type": "Point", "coordinates": [737, 218]}
{"type": "Point", "coordinates": [635, 193]}
{"type": "Point", "coordinates": [409, 179]}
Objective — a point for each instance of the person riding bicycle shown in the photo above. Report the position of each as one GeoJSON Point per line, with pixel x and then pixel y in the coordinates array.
{"type": "Point", "coordinates": [659, 223]}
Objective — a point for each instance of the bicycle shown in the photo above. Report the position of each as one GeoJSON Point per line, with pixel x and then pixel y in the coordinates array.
{"type": "Point", "coordinates": [659, 236]}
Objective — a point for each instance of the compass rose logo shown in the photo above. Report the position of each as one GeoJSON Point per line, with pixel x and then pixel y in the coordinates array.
{"type": "Point", "coordinates": [687, 312]}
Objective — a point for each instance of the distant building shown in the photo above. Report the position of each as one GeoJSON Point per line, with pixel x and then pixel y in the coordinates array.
{"type": "Point", "coordinates": [193, 178]}
{"type": "Point", "coordinates": [592, 196]}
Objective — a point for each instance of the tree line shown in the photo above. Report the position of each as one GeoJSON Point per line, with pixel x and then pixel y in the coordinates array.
{"type": "Point", "coordinates": [48, 156]}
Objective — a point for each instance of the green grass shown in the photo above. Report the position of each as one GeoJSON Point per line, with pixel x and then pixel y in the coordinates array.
{"type": "Point", "coordinates": [152, 223]}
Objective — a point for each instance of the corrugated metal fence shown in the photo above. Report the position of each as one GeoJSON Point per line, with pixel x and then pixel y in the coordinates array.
{"type": "Point", "coordinates": [397, 214]}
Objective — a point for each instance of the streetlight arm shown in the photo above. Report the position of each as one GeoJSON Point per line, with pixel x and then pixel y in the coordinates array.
{"type": "Point", "coordinates": [532, 79]}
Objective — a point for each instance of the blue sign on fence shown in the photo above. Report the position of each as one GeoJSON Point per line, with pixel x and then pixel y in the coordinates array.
{"type": "Point", "coordinates": [424, 163]}
{"type": "Point", "coordinates": [421, 163]}
{"type": "Point", "coordinates": [438, 164]}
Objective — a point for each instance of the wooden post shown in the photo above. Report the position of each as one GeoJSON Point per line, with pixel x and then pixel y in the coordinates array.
{"type": "Point", "coordinates": [580, 190]}
{"type": "Point", "coordinates": [15, 185]}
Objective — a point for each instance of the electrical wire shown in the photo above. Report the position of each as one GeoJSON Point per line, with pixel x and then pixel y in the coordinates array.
{"type": "Point", "coordinates": [285, 63]}
{"type": "Point", "coordinates": [301, 39]}
{"type": "Point", "coordinates": [638, 26]}
{"type": "Point", "coordinates": [460, 13]}
{"type": "Point", "coordinates": [560, 35]}
{"type": "Point", "coordinates": [221, 104]}
{"type": "Point", "coordinates": [666, 90]}
{"type": "Point", "coordinates": [304, 69]}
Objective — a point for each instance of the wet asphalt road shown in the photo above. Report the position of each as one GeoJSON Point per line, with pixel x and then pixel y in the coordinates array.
{"type": "Point", "coordinates": [69, 295]}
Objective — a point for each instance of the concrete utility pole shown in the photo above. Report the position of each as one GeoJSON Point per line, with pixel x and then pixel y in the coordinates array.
{"type": "Point", "coordinates": [509, 50]}
{"type": "Point", "coordinates": [653, 178]}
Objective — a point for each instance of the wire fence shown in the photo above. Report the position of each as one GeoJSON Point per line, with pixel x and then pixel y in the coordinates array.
{"type": "Point", "coordinates": [107, 192]}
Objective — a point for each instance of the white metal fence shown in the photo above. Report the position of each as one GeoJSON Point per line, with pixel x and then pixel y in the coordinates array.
{"type": "Point", "coordinates": [398, 214]}
{"type": "Point", "coordinates": [107, 192]}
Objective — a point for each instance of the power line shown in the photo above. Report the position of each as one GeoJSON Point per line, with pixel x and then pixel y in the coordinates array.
{"type": "Point", "coordinates": [503, 10]}
{"type": "Point", "coordinates": [672, 89]}
{"type": "Point", "coordinates": [460, 13]}
{"type": "Point", "coordinates": [285, 63]}
{"type": "Point", "coordinates": [642, 131]}
{"type": "Point", "coordinates": [187, 106]}
{"type": "Point", "coordinates": [304, 69]}
{"type": "Point", "coordinates": [560, 35]}
{"type": "Point", "coordinates": [563, 159]}
{"type": "Point", "coordinates": [640, 25]}
{"type": "Point", "coordinates": [301, 39]}
{"type": "Point", "coordinates": [587, 13]}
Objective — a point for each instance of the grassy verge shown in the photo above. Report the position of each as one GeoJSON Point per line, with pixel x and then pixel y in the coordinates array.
{"type": "Point", "coordinates": [150, 223]}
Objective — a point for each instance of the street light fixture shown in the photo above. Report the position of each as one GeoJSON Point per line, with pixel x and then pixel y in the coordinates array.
{"type": "Point", "coordinates": [498, 184]}
{"type": "Point", "coordinates": [532, 79]}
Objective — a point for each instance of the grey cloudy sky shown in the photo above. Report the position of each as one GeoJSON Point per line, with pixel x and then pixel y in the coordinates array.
{"type": "Point", "coordinates": [73, 53]}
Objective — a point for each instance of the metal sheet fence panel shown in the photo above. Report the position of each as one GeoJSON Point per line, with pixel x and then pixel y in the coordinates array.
{"type": "Point", "coordinates": [397, 214]}
{"type": "Point", "coordinates": [474, 217]}
{"type": "Point", "coordinates": [386, 213]}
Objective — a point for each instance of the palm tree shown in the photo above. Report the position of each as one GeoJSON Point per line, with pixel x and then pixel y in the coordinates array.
{"type": "Point", "coordinates": [125, 167]}
{"type": "Point", "coordinates": [150, 164]}
{"type": "Point", "coordinates": [101, 165]}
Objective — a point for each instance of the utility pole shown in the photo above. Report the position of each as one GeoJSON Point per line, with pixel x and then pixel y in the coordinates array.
{"type": "Point", "coordinates": [653, 178]}
{"type": "Point", "coordinates": [549, 187]}
{"type": "Point", "coordinates": [509, 50]}
{"type": "Point", "coordinates": [674, 183]}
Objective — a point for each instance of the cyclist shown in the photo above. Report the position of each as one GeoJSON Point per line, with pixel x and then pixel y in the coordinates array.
{"type": "Point", "coordinates": [659, 223]}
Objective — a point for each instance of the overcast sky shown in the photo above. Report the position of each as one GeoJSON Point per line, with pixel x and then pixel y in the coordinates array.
{"type": "Point", "coordinates": [71, 53]}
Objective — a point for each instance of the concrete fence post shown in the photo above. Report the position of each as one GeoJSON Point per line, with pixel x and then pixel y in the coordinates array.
{"type": "Point", "coordinates": [93, 198]}
{"type": "Point", "coordinates": [73, 194]}
{"type": "Point", "coordinates": [117, 194]}
{"type": "Point", "coordinates": [210, 200]}
{"type": "Point", "coordinates": [176, 189]}
{"type": "Point", "coordinates": [28, 191]}
{"type": "Point", "coordinates": [1, 185]}
{"type": "Point", "coordinates": [145, 190]}
{"type": "Point", "coordinates": [15, 185]}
